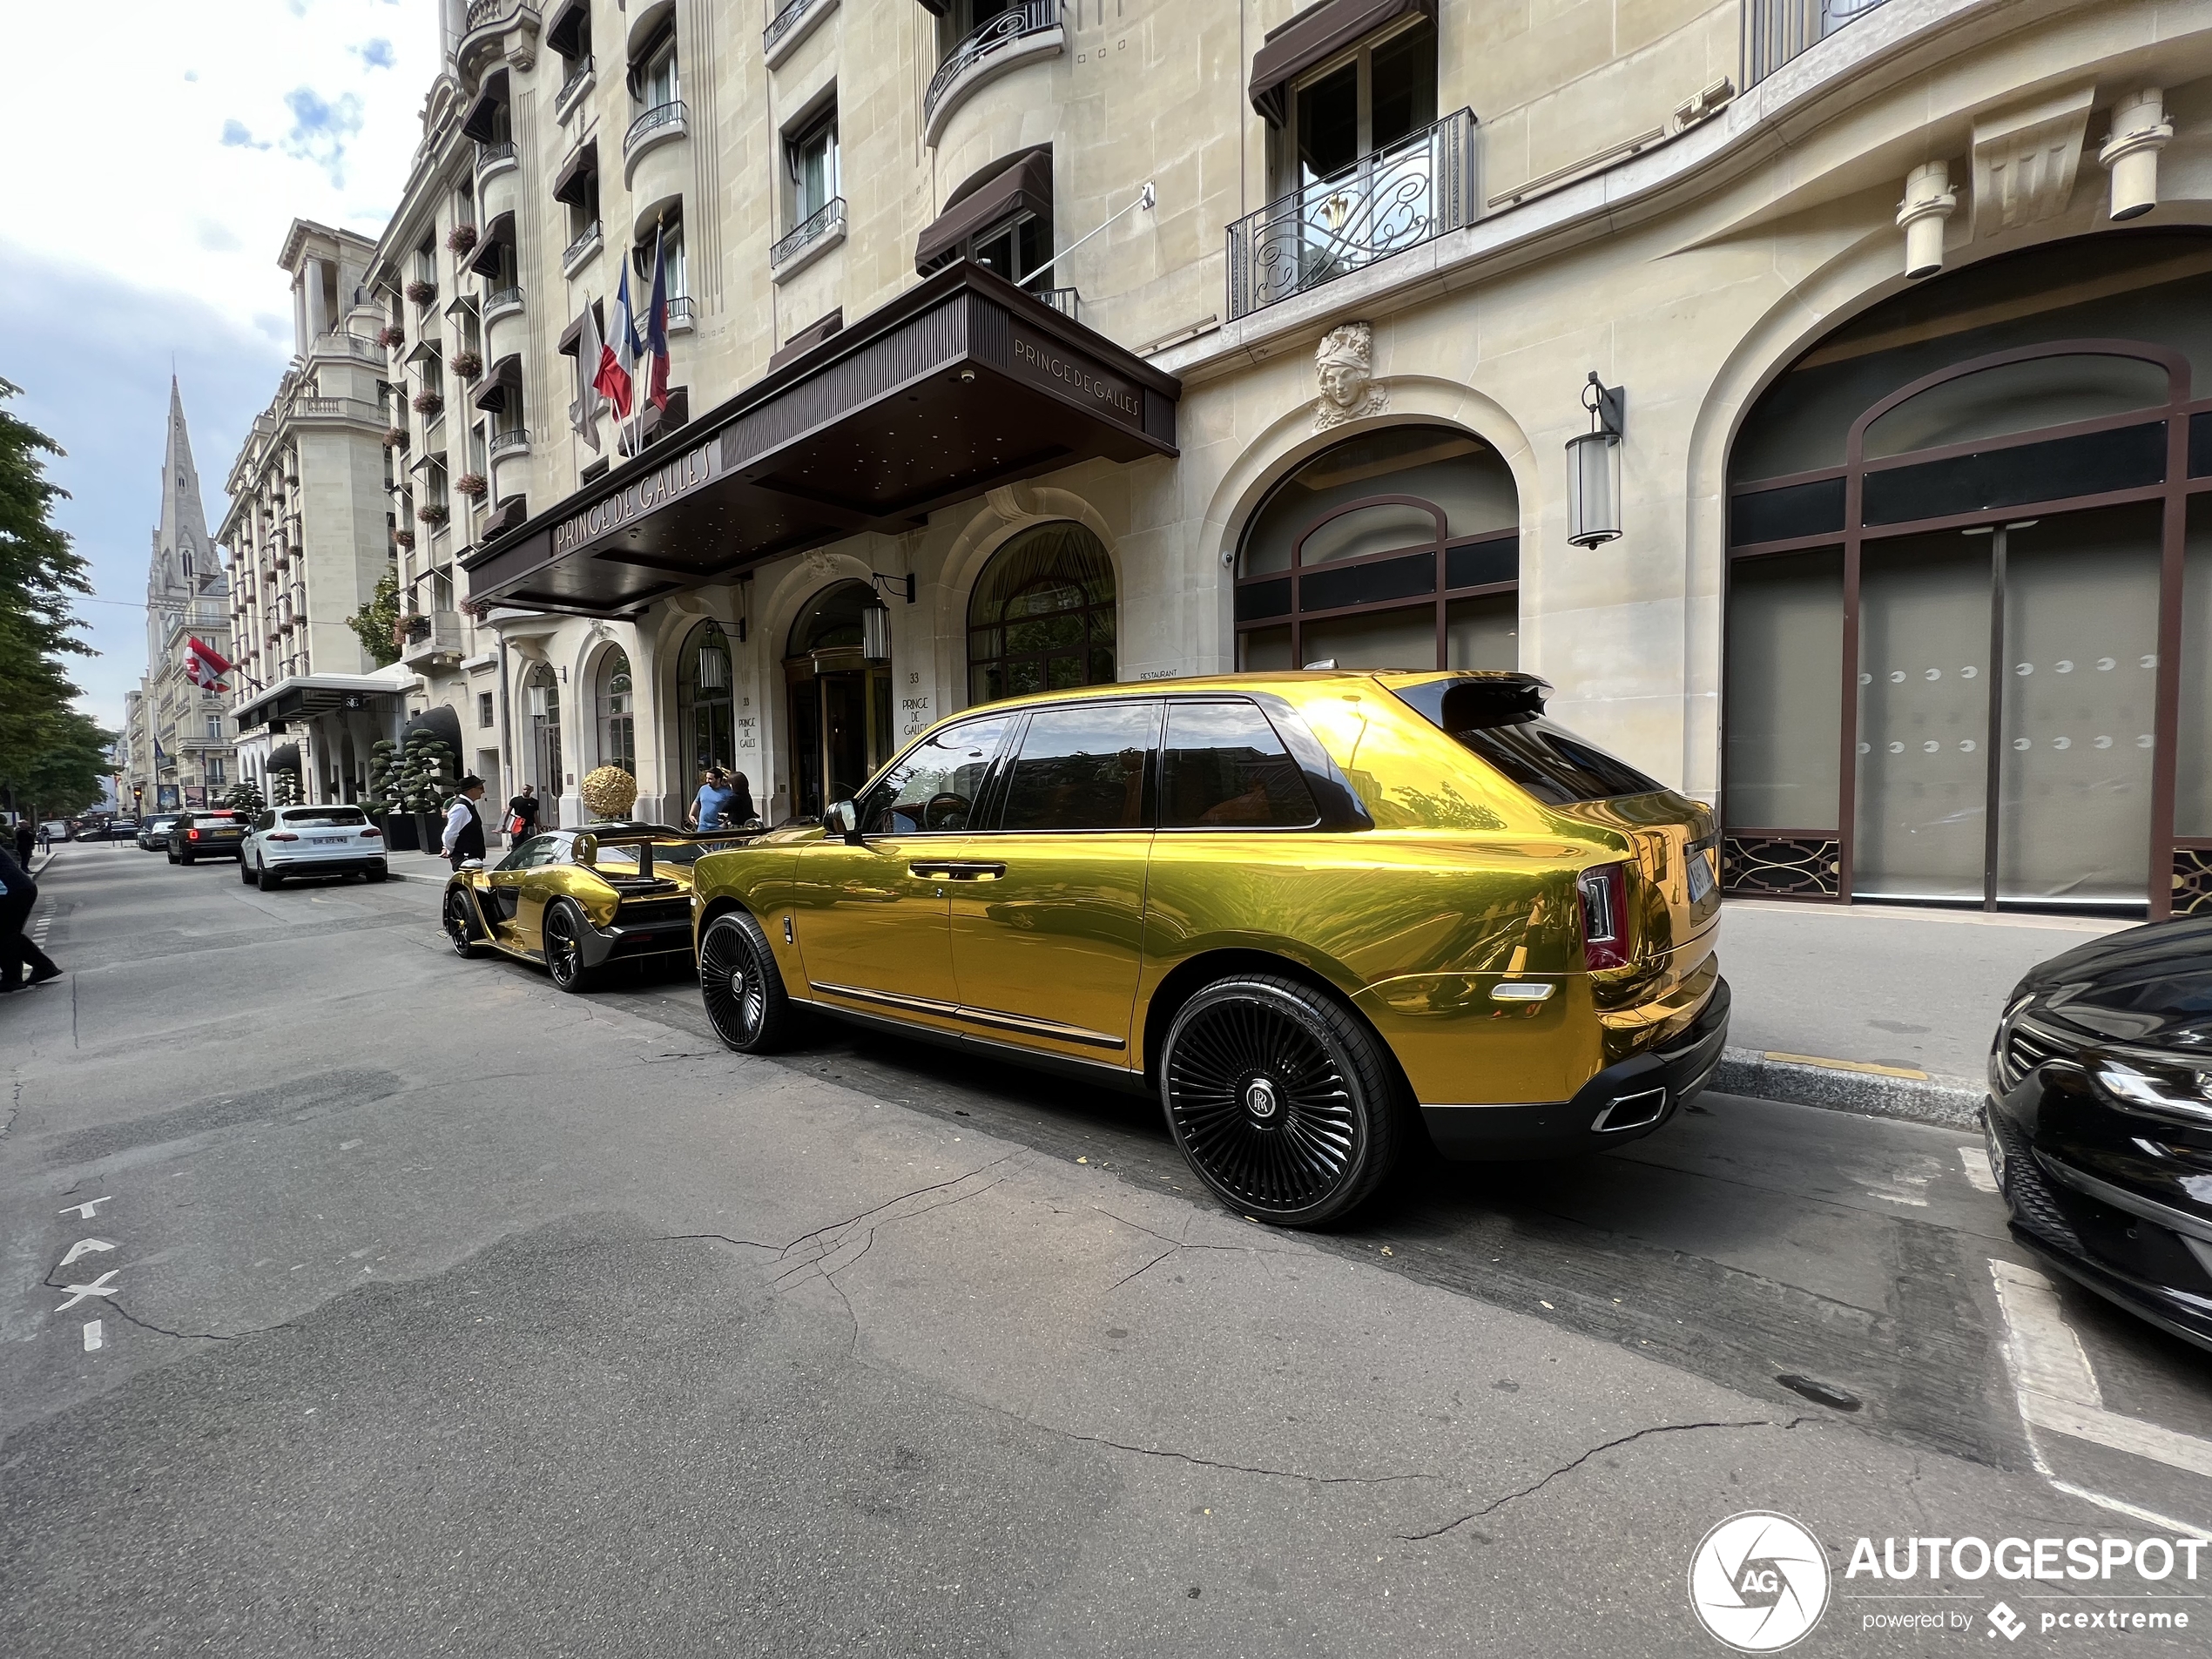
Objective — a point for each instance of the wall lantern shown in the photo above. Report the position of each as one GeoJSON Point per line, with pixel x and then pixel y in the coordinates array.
{"type": "Point", "coordinates": [541, 703]}
{"type": "Point", "coordinates": [2140, 130]}
{"type": "Point", "coordinates": [714, 670]}
{"type": "Point", "coordinates": [875, 631]}
{"type": "Point", "coordinates": [1593, 467]}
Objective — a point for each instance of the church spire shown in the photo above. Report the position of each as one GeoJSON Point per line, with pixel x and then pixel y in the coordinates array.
{"type": "Point", "coordinates": [183, 556]}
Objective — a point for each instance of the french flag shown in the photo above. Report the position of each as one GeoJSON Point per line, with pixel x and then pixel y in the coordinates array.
{"type": "Point", "coordinates": [619, 352]}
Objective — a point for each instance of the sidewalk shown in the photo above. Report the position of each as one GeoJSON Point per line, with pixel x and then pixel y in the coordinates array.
{"type": "Point", "coordinates": [1901, 1003]}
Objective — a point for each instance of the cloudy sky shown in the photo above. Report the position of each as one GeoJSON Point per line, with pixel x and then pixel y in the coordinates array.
{"type": "Point", "coordinates": [145, 211]}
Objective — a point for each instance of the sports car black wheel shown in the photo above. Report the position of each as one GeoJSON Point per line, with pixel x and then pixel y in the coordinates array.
{"type": "Point", "coordinates": [564, 926]}
{"type": "Point", "coordinates": [742, 988]}
{"type": "Point", "coordinates": [460, 924]}
{"type": "Point", "coordinates": [1283, 1102]}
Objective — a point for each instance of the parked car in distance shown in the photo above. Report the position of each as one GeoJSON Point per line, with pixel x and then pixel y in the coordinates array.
{"type": "Point", "coordinates": [115, 829]}
{"type": "Point", "coordinates": [576, 899]}
{"type": "Point", "coordinates": [206, 833]}
{"type": "Point", "coordinates": [288, 841]}
{"type": "Point", "coordinates": [153, 834]}
{"type": "Point", "coordinates": [2100, 1119]}
{"type": "Point", "coordinates": [58, 829]}
{"type": "Point", "coordinates": [1300, 907]}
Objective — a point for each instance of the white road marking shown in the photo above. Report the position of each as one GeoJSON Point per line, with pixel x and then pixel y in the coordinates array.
{"type": "Point", "coordinates": [2057, 1391]}
{"type": "Point", "coordinates": [1979, 1176]}
{"type": "Point", "coordinates": [93, 1338]}
{"type": "Point", "coordinates": [83, 1211]}
{"type": "Point", "coordinates": [97, 1287]}
{"type": "Point", "coordinates": [84, 1247]}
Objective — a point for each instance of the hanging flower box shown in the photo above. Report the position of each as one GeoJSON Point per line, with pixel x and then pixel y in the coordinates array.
{"type": "Point", "coordinates": [468, 363]}
{"type": "Point", "coordinates": [460, 238]}
{"type": "Point", "coordinates": [395, 437]}
{"type": "Point", "coordinates": [475, 609]}
{"type": "Point", "coordinates": [421, 292]}
{"type": "Point", "coordinates": [433, 514]}
{"type": "Point", "coordinates": [429, 402]}
{"type": "Point", "coordinates": [391, 334]}
{"type": "Point", "coordinates": [404, 538]}
{"type": "Point", "coordinates": [472, 484]}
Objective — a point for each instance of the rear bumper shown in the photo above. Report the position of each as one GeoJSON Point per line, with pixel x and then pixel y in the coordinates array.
{"type": "Point", "coordinates": [622, 942]}
{"type": "Point", "coordinates": [351, 864]}
{"type": "Point", "coordinates": [1624, 1102]}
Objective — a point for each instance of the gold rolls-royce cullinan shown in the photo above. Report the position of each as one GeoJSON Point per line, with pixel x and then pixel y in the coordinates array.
{"type": "Point", "coordinates": [1300, 907]}
{"type": "Point", "coordinates": [576, 900]}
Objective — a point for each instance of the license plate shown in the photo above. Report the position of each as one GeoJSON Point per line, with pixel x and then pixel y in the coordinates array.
{"type": "Point", "coordinates": [1701, 874]}
{"type": "Point", "coordinates": [325, 840]}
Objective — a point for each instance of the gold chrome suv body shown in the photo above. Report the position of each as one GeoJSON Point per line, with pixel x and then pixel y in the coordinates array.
{"type": "Point", "coordinates": [1295, 905]}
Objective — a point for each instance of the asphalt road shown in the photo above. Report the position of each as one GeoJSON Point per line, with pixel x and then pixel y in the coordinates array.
{"type": "Point", "coordinates": [438, 1313]}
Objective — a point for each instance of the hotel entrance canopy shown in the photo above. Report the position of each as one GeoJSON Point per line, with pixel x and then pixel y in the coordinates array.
{"type": "Point", "coordinates": [962, 383]}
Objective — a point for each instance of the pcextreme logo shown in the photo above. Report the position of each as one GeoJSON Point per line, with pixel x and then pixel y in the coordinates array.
{"type": "Point", "coordinates": [1758, 1581]}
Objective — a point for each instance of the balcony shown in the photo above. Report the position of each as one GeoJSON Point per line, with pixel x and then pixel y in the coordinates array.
{"type": "Point", "coordinates": [1013, 38]}
{"type": "Point", "coordinates": [680, 313]}
{"type": "Point", "coordinates": [495, 159]}
{"type": "Point", "coordinates": [489, 28]}
{"type": "Point", "coordinates": [822, 230]}
{"type": "Point", "coordinates": [352, 346]}
{"type": "Point", "coordinates": [1065, 301]}
{"type": "Point", "coordinates": [799, 19]}
{"type": "Point", "coordinates": [499, 302]}
{"type": "Point", "coordinates": [431, 637]}
{"type": "Point", "coordinates": [1396, 198]}
{"type": "Point", "coordinates": [1776, 31]}
{"type": "Point", "coordinates": [505, 445]}
{"type": "Point", "coordinates": [578, 252]}
{"type": "Point", "coordinates": [573, 89]}
{"type": "Point", "coordinates": [661, 124]}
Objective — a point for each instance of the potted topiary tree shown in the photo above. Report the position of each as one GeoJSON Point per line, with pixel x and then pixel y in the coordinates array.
{"type": "Point", "coordinates": [245, 798]}
{"type": "Point", "coordinates": [284, 789]}
{"type": "Point", "coordinates": [383, 796]}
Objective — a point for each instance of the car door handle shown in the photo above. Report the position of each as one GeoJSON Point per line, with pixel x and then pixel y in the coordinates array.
{"type": "Point", "coordinates": [958, 870]}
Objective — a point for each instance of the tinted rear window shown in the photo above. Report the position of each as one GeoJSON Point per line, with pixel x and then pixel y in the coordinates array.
{"type": "Point", "coordinates": [327, 816]}
{"type": "Point", "coordinates": [1224, 768]}
{"type": "Point", "coordinates": [1502, 721]}
{"type": "Point", "coordinates": [1082, 768]}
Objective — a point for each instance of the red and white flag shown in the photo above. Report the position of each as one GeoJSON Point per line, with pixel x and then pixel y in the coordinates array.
{"type": "Point", "coordinates": [204, 666]}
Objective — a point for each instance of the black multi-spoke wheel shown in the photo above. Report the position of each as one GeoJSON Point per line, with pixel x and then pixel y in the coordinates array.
{"type": "Point", "coordinates": [461, 923]}
{"type": "Point", "coordinates": [1283, 1102]}
{"type": "Point", "coordinates": [564, 945]}
{"type": "Point", "coordinates": [742, 988]}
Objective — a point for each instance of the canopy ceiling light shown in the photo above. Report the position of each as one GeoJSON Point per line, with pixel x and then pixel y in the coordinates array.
{"type": "Point", "coordinates": [1593, 467]}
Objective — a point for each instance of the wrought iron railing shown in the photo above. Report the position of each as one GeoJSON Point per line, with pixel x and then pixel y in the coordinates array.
{"type": "Point", "coordinates": [513, 438]}
{"type": "Point", "coordinates": [661, 115]}
{"type": "Point", "coordinates": [1776, 31]}
{"type": "Point", "coordinates": [781, 25]}
{"type": "Point", "coordinates": [1031, 18]}
{"type": "Point", "coordinates": [501, 299]}
{"type": "Point", "coordinates": [1065, 301]}
{"type": "Point", "coordinates": [577, 76]}
{"type": "Point", "coordinates": [679, 309]}
{"type": "Point", "coordinates": [1398, 198]}
{"type": "Point", "coordinates": [490, 155]}
{"type": "Point", "coordinates": [483, 11]}
{"type": "Point", "coordinates": [815, 225]}
{"type": "Point", "coordinates": [577, 249]}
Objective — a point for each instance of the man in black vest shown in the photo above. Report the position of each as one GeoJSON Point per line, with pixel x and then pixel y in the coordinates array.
{"type": "Point", "coordinates": [464, 838]}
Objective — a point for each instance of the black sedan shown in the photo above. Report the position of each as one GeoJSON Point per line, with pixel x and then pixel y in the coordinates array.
{"type": "Point", "coordinates": [153, 834]}
{"type": "Point", "coordinates": [2100, 1119]}
{"type": "Point", "coordinates": [209, 832]}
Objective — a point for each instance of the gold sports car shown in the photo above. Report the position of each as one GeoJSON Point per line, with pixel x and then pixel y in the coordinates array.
{"type": "Point", "coordinates": [576, 899]}
{"type": "Point", "coordinates": [1304, 908]}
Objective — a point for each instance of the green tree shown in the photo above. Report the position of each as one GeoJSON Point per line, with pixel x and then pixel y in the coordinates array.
{"type": "Point", "coordinates": [376, 623]}
{"type": "Point", "coordinates": [41, 738]}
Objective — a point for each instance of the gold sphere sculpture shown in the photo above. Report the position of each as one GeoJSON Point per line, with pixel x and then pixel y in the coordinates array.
{"type": "Point", "coordinates": [610, 792]}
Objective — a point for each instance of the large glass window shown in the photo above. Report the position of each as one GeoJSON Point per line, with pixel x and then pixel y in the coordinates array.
{"type": "Point", "coordinates": [704, 712]}
{"type": "Point", "coordinates": [1396, 548]}
{"type": "Point", "coordinates": [618, 721]}
{"type": "Point", "coordinates": [1223, 767]}
{"type": "Point", "coordinates": [1083, 768]}
{"type": "Point", "coordinates": [837, 667]}
{"type": "Point", "coordinates": [810, 156]}
{"type": "Point", "coordinates": [1042, 617]}
{"type": "Point", "coordinates": [936, 786]}
{"type": "Point", "coordinates": [1785, 658]}
{"type": "Point", "coordinates": [1363, 103]}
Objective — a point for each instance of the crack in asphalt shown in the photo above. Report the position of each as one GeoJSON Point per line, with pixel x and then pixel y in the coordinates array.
{"type": "Point", "coordinates": [1233, 1468]}
{"type": "Point", "coordinates": [1497, 1504]}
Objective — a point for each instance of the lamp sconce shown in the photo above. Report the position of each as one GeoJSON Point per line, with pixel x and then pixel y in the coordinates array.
{"type": "Point", "coordinates": [875, 631]}
{"type": "Point", "coordinates": [2140, 130]}
{"type": "Point", "coordinates": [893, 584]}
{"type": "Point", "coordinates": [1594, 467]}
{"type": "Point", "coordinates": [1929, 202]}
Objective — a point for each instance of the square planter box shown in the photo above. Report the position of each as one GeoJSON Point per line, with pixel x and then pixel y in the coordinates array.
{"type": "Point", "coordinates": [400, 832]}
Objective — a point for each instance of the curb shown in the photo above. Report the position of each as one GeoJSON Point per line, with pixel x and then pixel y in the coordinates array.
{"type": "Point", "coordinates": [1950, 1102]}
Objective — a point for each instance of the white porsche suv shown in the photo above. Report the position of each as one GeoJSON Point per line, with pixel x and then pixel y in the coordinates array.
{"type": "Point", "coordinates": [311, 841]}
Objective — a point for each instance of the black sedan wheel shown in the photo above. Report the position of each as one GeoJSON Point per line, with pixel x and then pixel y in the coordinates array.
{"type": "Point", "coordinates": [742, 988]}
{"type": "Point", "coordinates": [565, 928]}
{"type": "Point", "coordinates": [460, 924]}
{"type": "Point", "coordinates": [1285, 1103]}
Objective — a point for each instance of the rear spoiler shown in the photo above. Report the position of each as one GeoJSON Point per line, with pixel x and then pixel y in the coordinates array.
{"type": "Point", "coordinates": [1477, 701]}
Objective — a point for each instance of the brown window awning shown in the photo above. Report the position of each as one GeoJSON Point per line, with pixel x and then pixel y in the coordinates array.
{"type": "Point", "coordinates": [478, 123]}
{"type": "Point", "coordinates": [566, 32]}
{"type": "Point", "coordinates": [571, 339]}
{"type": "Point", "coordinates": [568, 185]}
{"type": "Point", "coordinates": [1315, 35]}
{"type": "Point", "coordinates": [808, 338]}
{"type": "Point", "coordinates": [1022, 180]}
{"type": "Point", "coordinates": [506, 376]}
{"type": "Point", "coordinates": [498, 230]}
{"type": "Point", "coordinates": [960, 384]}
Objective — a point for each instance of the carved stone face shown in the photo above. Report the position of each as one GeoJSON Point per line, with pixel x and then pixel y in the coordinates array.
{"type": "Point", "coordinates": [1342, 383]}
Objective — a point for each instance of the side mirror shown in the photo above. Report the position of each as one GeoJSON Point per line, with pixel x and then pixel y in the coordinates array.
{"type": "Point", "coordinates": [843, 820]}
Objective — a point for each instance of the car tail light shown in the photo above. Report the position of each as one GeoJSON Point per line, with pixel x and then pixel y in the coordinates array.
{"type": "Point", "coordinates": [191, 835]}
{"type": "Point", "coordinates": [280, 835]}
{"type": "Point", "coordinates": [372, 834]}
{"type": "Point", "coordinates": [1605, 916]}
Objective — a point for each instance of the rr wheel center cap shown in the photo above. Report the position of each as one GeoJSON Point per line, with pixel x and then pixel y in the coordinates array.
{"type": "Point", "coordinates": [1260, 1100]}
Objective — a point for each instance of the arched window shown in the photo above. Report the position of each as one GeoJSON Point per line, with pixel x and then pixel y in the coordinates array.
{"type": "Point", "coordinates": [1397, 549]}
{"type": "Point", "coordinates": [703, 705]}
{"type": "Point", "coordinates": [1041, 618]}
{"type": "Point", "coordinates": [617, 723]}
{"type": "Point", "coordinates": [542, 692]}
{"type": "Point", "coordinates": [838, 668]}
